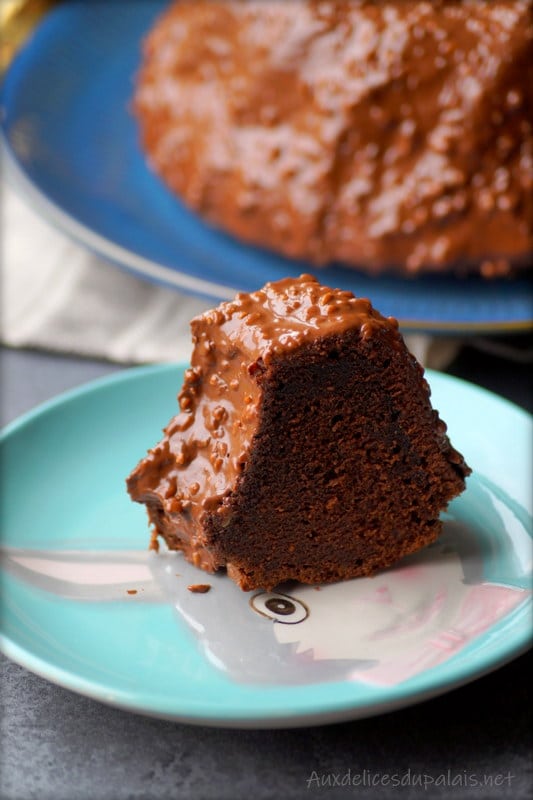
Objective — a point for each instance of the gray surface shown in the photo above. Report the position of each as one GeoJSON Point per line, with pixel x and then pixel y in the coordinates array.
{"type": "Point", "coordinates": [58, 745]}
{"type": "Point", "coordinates": [30, 378]}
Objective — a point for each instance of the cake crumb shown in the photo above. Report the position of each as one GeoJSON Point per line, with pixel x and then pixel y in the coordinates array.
{"type": "Point", "coordinates": [199, 588]}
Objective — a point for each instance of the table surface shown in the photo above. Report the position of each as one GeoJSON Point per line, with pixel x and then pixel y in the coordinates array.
{"type": "Point", "coordinates": [59, 745]}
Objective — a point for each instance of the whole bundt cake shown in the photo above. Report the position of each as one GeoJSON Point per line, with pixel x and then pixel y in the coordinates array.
{"type": "Point", "coordinates": [390, 135]}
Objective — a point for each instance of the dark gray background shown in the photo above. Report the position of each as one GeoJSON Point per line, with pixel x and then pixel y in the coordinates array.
{"type": "Point", "coordinates": [56, 745]}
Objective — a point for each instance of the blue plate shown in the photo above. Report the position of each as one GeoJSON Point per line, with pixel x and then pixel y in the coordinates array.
{"type": "Point", "coordinates": [73, 151]}
{"type": "Point", "coordinates": [86, 606]}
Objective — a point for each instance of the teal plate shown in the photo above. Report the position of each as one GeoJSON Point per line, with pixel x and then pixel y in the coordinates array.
{"type": "Point", "coordinates": [87, 607]}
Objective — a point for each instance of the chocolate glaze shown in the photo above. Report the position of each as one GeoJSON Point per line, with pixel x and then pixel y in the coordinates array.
{"type": "Point", "coordinates": [242, 350]}
{"type": "Point", "coordinates": [392, 134]}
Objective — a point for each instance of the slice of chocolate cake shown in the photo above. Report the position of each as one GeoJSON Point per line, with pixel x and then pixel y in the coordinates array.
{"type": "Point", "coordinates": [306, 447]}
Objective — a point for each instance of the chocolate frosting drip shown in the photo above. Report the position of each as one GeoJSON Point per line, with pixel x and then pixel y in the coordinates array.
{"type": "Point", "coordinates": [205, 447]}
{"type": "Point", "coordinates": [393, 134]}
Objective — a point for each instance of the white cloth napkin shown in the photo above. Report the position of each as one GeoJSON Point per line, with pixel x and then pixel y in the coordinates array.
{"type": "Point", "coordinates": [59, 297]}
